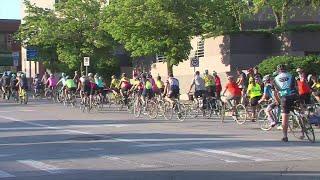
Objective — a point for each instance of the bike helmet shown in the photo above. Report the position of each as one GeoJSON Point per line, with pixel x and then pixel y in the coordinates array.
{"type": "Point", "coordinates": [230, 77]}
{"type": "Point", "coordinates": [13, 75]}
{"type": "Point", "coordinates": [23, 75]}
{"type": "Point", "coordinates": [299, 70]}
{"type": "Point", "coordinates": [51, 75]}
{"type": "Point", "coordinates": [214, 73]}
{"type": "Point", "coordinates": [281, 67]}
{"type": "Point", "coordinates": [63, 74]}
{"type": "Point", "coordinates": [113, 77]}
{"type": "Point", "coordinates": [90, 75]}
{"type": "Point", "coordinates": [266, 78]}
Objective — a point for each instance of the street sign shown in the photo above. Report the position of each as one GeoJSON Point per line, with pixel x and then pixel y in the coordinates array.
{"type": "Point", "coordinates": [32, 54]}
{"type": "Point", "coordinates": [15, 57]}
{"type": "Point", "coordinates": [194, 62]}
{"type": "Point", "coordinates": [86, 61]}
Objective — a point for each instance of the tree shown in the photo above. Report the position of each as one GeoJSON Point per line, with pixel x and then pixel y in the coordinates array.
{"type": "Point", "coordinates": [150, 27]}
{"type": "Point", "coordinates": [284, 9]}
{"type": "Point", "coordinates": [67, 33]}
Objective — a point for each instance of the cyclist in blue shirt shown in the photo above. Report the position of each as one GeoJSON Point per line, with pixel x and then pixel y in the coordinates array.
{"type": "Point", "coordinates": [286, 94]}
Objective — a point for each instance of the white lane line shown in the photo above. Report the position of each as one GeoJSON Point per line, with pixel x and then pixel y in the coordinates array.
{"type": "Point", "coordinates": [202, 155]}
{"type": "Point", "coordinates": [176, 144]}
{"type": "Point", "coordinates": [4, 174]}
{"type": "Point", "coordinates": [42, 166]}
{"type": "Point", "coordinates": [226, 153]}
{"type": "Point", "coordinates": [6, 155]}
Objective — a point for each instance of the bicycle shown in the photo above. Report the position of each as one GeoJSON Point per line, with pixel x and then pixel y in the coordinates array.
{"type": "Point", "coordinates": [265, 122]}
{"type": "Point", "coordinates": [176, 108]}
{"type": "Point", "coordinates": [23, 96]}
{"type": "Point", "coordinates": [237, 110]}
{"type": "Point", "coordinates": [299, 123]}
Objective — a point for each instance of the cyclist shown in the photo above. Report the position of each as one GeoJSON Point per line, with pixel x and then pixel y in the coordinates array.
{"type": "Point", "coordinates": [234, 93]}
{"type": "Point", "coordinates": [242, 83]}
{"type": "Point", "coordinates": [209, 84]}
{"type": "Point", "coordinates": [63, 82]}
{"type": "Point", "coordinates": [257, 75]}
{"type": "Point", "coordinates": [286, 94]}
{"type": "Point", "coordinates": [217, 82]}
{"type": "Point", "coordinates": [5, 81]}
{"type": "Point", "coordinates": [147, 89]}
{"type": "Point", "coordinates": [13, 84]}
{"type": "Point", "coordinates": [98, 80]}
{"type": "Point", "coordinates": [22, 83]}
{"type": "Point", "coordinates": [268, 95]}
{"type": "Point", "coordinates": [114, 85]}
{"type": "Point", "coordinates": [70, 86]}
{"type": "Point", "coordinates": [45, 78]}
{"type": "Point", "coordinates": [171, 89]}
{"type": "Point", "coordinates": [160, 85]}
{"type": "Point", "coordinates": [200, 89]}
{"type": "Point", "coordinates": [125, 86]}
{"type": "Point", "coordinates": [83, 86]}
{"type": "Point", "coordinates": [304, 89]}
{"type": "Point", "coordinates": [316, 90]}
{"type": "Point", "coordinates": [93, 85]}
{"type": "Point", "coordinates": [37, 84]}
{"type": "Point", "coordinates": [254, 93]}
{"type": "Point", "coordinates": [51, 82]}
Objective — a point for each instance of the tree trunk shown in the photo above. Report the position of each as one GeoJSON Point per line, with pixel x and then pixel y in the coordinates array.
{"type": "Point", "coordinates": [169, 67]}
{"type": "Point", "coordinates": [277, 16]}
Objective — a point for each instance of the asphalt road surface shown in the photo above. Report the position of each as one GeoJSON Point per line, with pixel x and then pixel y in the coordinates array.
{"type": "Point", "coordinates": [42, 141]}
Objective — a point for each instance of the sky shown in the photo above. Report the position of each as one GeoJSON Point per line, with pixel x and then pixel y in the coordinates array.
{"type": "Point", "coordinates": [10, 9]}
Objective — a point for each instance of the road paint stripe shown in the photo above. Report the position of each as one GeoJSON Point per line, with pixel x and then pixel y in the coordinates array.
{"type": "Point", "coordinates": [6, 155]}
{"type": "Point", "coordinates": [42, 166]}
{"type": "Point", "coordinates": [226, 153]}
{"type": "Point", "coordinates": [176, 144]}
{"type": "Point", "coordinates": [4, 174]}
{"type": "Point", "coordinates": [202, 155]}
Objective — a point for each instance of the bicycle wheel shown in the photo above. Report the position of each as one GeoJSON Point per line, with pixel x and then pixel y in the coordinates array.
{"type": "Point", "coordinates": [263, 121]}
{"type": "Point", "coordinates": [241, 114]}
{"type": "Point", "coordinates": [223, 112]}
{"type": "Point", "coordinates": [152, 109]}
{"type": "Point", "coordinates": [194, 109]}
{"type": "Point", "coordinates": [181, 111]}
{"type": "Point", "coordinates": [168, 111]}
{"type": "Point", "coordinates": [295, 126]}
{"type": "Point", "coordinates": [308, 129]}
{"type": "Point", "coordinates": [137, 108]}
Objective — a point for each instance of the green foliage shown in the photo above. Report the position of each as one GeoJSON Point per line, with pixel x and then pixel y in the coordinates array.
{"type": "Point", "coordinates": [311, 64]}
{"type": "Point", "coordinates": [150, 27]}
{"type": "Point", "coordinates": [284, 10]}
{"type": "Point", "coordinates": [67, 34]}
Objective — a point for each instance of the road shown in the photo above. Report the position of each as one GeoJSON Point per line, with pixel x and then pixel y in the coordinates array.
{"type": "Point", "coordinates": [49, 141]}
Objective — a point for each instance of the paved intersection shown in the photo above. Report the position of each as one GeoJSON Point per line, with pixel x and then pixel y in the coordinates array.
{"type": "Point", "coordinates": [50, 141]}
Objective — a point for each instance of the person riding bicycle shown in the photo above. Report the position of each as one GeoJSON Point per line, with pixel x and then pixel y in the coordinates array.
{"type": "Point", "coordinates": [147, 92]}
{"type": "Point", "coordinates": [125, 86]}
{"type": "Point", "coordinates": [316, 90]}
{"type": "Point", "coordinates": [268, 95]}
{"type": "Point", "coordinates": [51, 82]}
{"type": "Point", "coordinates": [171, 89]}
{"type": "Point", "coordinates": [242, 83]}
{"type": "Point", "coordinates": [37, 84]}
{"type": "Point", "coordinates": [93, 85]}
{"type": "Point", "coordinates": [83, 86]}
{"type": "Point", "coordinates": [200, 89]}
{"type": "Point", "coordinates": [13, 83]}
{"type": "Point", "coordinates": [160, 85]}
{"type": "Point", "coordinates": [44, 78]}
{"type": "Point", "coordinates": [70, 86]}
{"type": "Point", "coordinates": [234, 93]}
{"type": "Point", "coordinates": [22, 83]}
{"type": "Point", "coordinates": [99, 82]}
{"type": "Point", "coordinates": [114, 85]}
{"type": "Point", "coordinates": [286, 94]}
{"type": "Point", "coordinates": [217, 82]}
{"type": "Point", "coordinates": [5, 81]}
{"type": "Point", "coordinates": [304, 89]}
{"type": "Point", "coordinates": [254, 93]}
{"type": "Point", "coordinates": [209, 84]}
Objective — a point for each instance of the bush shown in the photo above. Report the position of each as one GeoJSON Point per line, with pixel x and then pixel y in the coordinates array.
{"type": "Point", "coordinates": [311, 64]}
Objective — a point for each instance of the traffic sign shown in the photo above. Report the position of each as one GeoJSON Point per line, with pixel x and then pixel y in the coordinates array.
{"type": "Point", "coordinates": [86, 61]}
{"type": "Point", "coordinates": [15, 57]}
{"type": "Point", "coordinates": [32, 54]}
{"type": "Point", "coordinates": [194, 62]}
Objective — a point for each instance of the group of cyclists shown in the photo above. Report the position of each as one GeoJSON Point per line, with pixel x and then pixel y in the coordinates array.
{"type": "Point", "coordinates": [280, 89]}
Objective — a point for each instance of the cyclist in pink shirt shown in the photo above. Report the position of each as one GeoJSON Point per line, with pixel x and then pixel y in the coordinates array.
{"type": "Point", "coordinates": [52, 82]}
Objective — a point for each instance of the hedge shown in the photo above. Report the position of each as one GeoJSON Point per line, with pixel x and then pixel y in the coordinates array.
{"type": "Point", "coordinates": [311, 64]}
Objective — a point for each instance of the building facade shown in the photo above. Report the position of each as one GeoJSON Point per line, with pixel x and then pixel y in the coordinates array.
{"type": "Point", "coordinates": [10, 50]}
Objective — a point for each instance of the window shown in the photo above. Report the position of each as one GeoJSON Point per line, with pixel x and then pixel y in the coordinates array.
{"type": "Point", "coordinates": [160, 58]}
{"type": "Point", "coordinates": [200, 48]}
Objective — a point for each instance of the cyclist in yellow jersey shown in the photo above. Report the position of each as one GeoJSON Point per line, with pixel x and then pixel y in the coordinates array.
{"type": "Point", "coordinates": [255, 93]}
{"type": "Point", "coordinates": [316, 90]}
{"type": "Point", "coordinates": [210, 85]}
{"type": "Point", "coordinates": [160, 84]}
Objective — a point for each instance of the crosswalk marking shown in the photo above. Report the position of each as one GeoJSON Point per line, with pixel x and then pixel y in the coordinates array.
{"type": "Point", "coordinates": [226, 153]}
{"type": "Point", "coordinates": [4, 174]}
{"type": "Point", "coordinates": [42, 166]}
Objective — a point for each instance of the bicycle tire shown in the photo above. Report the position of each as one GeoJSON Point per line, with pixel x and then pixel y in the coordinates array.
{"type": "Point", "coordinates": [308, 130]}
{"type": "Point", "coordinates": [152, 110]}
{"type": "Point", "coordinates": [137, 108]}
{"type": "Point", "coordinates": [181, 112]}
{"type": "Point", "coordinates": [168, 111]}
{"type": "Point", "coordinates": [241, 114]}
{"type": "Point", "coordinates": [295, 126]}
{"type": "Point", "coordinates": [263, 121]}
{"type": "Point", "coordinates": [223, 112]}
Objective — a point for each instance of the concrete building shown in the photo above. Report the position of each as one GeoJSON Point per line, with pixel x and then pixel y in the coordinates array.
{"type": "Point", "coordinates": [10, 50]}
